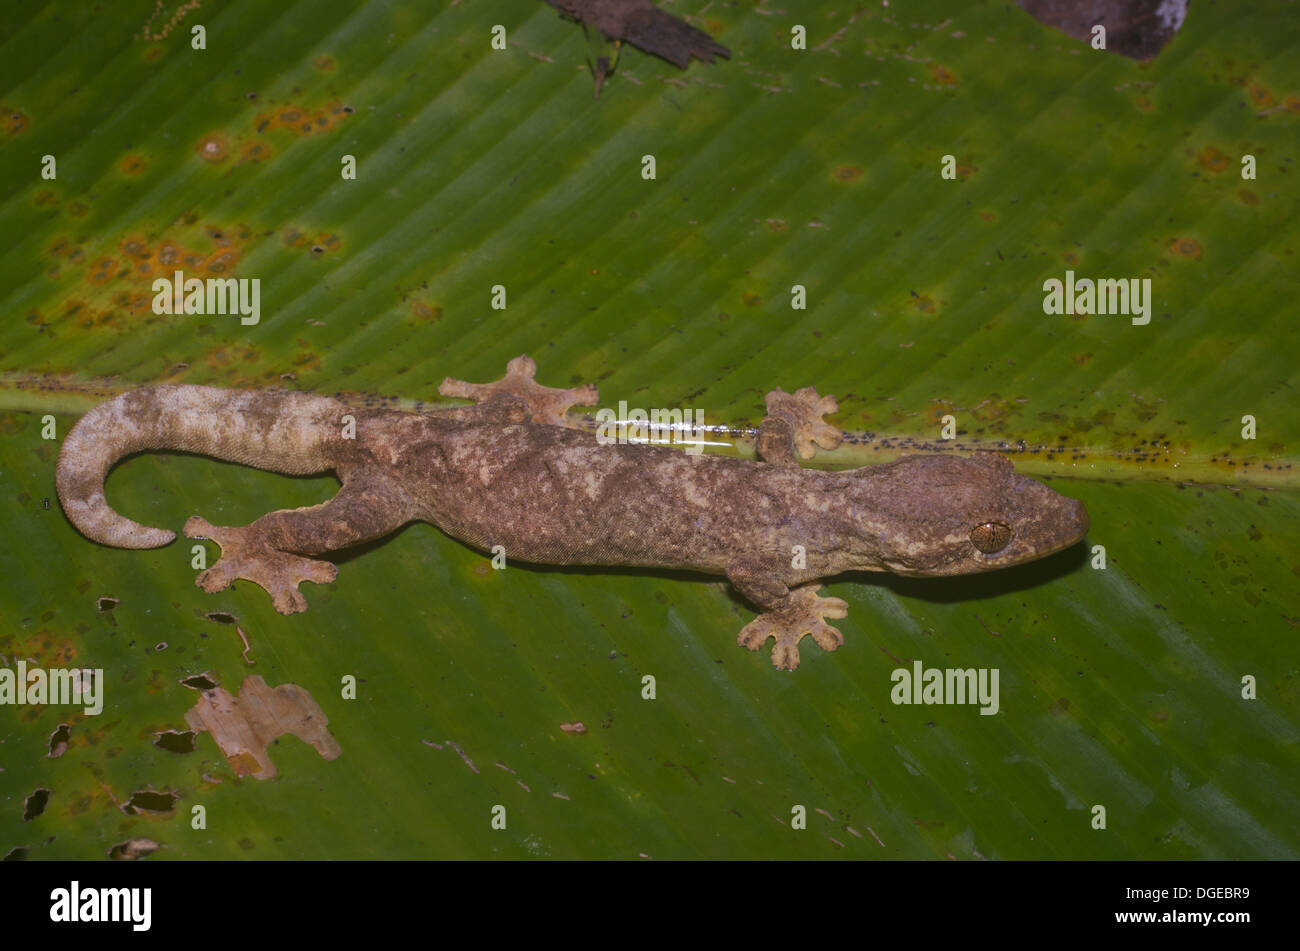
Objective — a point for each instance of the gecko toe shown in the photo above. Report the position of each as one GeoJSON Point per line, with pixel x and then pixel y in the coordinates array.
{"type": "Point", "coordinates": [802, 614]}
{"type": "Point", "coordinates": [548, 405]}
{"type": "Point", "coordinates": [246, 555]}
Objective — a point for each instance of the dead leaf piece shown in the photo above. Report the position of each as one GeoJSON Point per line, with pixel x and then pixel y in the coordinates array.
{"type": "Point", "coordinates": [643, 25]}
{"type": "Point", "coordinates": [1138, 29]}
{"type": "Point", "coordinates": [132, 849]}
{"type": "Point", "coordinates": [243, 727]}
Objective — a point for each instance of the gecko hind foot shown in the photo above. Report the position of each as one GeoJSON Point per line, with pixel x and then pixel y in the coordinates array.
{"type": "Point", "coordinates": [547, 404]}
{"type": "Point", "coordinates": [804, 410]}
{"type": "Point", "coordinates": [245, 554]}
{"type": "Point", "coordinates": [802, 614]}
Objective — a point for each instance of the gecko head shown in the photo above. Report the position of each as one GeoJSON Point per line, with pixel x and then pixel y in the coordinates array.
{"type": "Point", "coordinates": [941, 515]}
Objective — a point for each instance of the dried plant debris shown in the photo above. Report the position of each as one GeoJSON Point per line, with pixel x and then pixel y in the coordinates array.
{"type": "Point", "coordinates": [1138, 29]}
{"type": "Point", "coordinates": [132, 849]}
{"type": "Point", "coordinates": [243, 727]}
{"type": "Point", "coordinates": [643, 25]}
{"type": "Point", "coordinates": [59, 740]}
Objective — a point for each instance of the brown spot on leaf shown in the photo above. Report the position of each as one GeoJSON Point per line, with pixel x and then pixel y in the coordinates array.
{"type": "Point", "coordinates": [301, 120]}
{"type": "Point", "coordinates": [1186, 247]}
{"type": "Point", "coordinates": [212, 148]}
{"type": "Point", "coordinates": [943, 76]}
{"type": "Point", "coordinates": [16, 123]}
{"type": "Point", "coordinates": [255, 152]}
{"type": "Point", "coordinates": [1212, 159]}
{"type": "Point", "coordinates": [425, 312]}
{"type": "Point", "coordinates": [221, 261]}
{"type": "Point", "coordinates": [132, 165]}
{"type": "Point", "coordinates": [751, 300]}
{"type": "Point", "coordinates": [848, 173]}
{"type": "Point", "coordinates": [1260, 96]}
{"type": "Point", "coordinates": [1248, 197]}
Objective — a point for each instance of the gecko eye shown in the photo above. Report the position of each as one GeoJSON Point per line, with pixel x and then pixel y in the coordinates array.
{"type": "Point", "coordinates": [991, 537]}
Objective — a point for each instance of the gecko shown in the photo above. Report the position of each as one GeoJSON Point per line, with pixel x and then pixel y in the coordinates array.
{"type": "Point", "coordinates": [515, 470]}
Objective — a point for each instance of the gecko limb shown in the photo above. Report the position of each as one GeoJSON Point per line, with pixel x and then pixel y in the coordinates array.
{"type": "Point", "coordinates": [270, 551]}
{"type": "Point", "coordinates": [803, 410]}
{"type": "Point", "coordinates": [776, 442]}
{"type": "Point", "coordinates": [787, 615]}
{"type": "Point", "coordinates": [547, 404]}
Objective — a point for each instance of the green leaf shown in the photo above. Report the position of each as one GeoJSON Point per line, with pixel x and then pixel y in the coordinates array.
{"type": "Point", "coordinates": [1119, 687]}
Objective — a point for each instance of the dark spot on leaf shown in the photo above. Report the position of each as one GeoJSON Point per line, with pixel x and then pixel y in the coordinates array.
{"type": "Point", "coordinates": [149, 801]}
{"type": "Point", "coordinates": [35, 804]}
{"type": "Point", "coordinates": [175, 741]}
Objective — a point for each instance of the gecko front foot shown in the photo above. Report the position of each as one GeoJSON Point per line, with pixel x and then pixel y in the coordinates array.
{"type": "Point", "coordinates": [801, 614]}
{"type": "Point", "coordinates": [804, 410]}
{"type": "Point", "coordinates": [547, 404]}
{"type": "Point", "coordinates": [245, 554]}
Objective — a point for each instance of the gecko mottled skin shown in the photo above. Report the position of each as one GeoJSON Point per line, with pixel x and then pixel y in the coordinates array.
{"type": "Point", "coordinates": [510, 472]}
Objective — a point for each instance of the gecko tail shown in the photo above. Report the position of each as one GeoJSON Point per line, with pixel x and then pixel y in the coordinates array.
{"type": "Point", "coordinates": [292, 433]}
